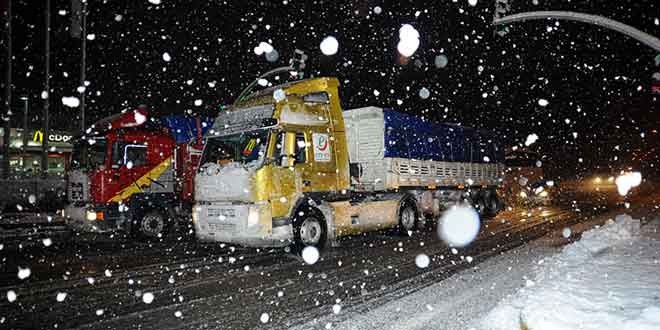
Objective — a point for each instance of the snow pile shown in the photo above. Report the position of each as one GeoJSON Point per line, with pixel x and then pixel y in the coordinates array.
{"type": "Point", "coordinates": [607, 280]}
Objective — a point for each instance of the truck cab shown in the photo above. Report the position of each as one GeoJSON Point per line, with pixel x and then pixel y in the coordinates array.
{"type": "Point", "coordinates": [262, 158]}
{"type": "Point", "coordinates": [130, 174]}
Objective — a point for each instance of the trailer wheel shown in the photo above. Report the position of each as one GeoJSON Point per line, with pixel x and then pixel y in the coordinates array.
{"type": "Point", "coordinates": [153, 225]}
{"type": "Point", "coordinates": [407, 216]}
{"type": "Point", "coordinates": [309, 229]}
{"type": "Point", "coordinates": [493, 204]}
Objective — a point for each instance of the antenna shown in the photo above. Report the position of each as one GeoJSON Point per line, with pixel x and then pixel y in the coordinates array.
{"type": "Point", "coordinates": [296, 65]}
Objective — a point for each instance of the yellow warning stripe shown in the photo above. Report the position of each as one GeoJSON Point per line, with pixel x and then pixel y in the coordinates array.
{"type": "Point", "coordinates": [144, 181]}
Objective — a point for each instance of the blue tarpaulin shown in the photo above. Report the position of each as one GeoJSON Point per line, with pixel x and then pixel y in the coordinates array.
{"type": "Point", "coordinates": [410, 137]}
{"type": "Point", "coordinates": [184, 128]}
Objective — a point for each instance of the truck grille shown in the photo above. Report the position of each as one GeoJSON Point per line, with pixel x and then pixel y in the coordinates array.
{"type": "Point", "coordinates": [76, 193]}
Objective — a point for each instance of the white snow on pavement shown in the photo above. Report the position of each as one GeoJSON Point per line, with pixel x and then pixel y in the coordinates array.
{"type": "Point", "coordinates": [607, 280]}
{"type": "Point", "coordinates": [464, 299]}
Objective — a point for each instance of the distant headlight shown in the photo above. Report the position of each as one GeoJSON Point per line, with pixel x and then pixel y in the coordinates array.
{"type": "Point", "coordinates": [598, 180]}
{"type": "Point", "coordinates": [627, 181]}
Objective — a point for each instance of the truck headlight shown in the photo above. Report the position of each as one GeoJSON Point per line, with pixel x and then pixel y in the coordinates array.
{"type": "Point", "coordinates": [195, 216]}
{"type": "Point", "coordinates": [93, 216]}
{"type": "Point", "coordinates": [253, 217]}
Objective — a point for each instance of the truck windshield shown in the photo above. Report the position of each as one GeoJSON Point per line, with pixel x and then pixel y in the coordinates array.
{"type": "Point", "coordinates": [247, 148]}
{"type": "Point", "coordinates": [88, 154]}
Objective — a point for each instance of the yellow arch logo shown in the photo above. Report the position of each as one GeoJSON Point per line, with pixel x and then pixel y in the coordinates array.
{"type": "Point", "coordinates": [38, 136]}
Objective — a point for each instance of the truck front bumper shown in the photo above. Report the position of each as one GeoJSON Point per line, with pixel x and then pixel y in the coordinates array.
{"type": "Point", "coordinates": [93, 218]}
{"type": "Point", "coordinates": [243, 224]}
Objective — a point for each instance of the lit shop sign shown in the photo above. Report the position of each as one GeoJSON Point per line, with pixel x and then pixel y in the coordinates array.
{"type": "Point", "coordinates": [39, 137]}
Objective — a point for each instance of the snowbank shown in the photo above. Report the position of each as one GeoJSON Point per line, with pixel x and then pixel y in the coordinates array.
{"type": "Point", "coordinates": [610, 279]}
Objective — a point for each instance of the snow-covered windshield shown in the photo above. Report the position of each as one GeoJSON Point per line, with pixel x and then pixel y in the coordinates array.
{"type": "Point", "coordinates": [247, 148]}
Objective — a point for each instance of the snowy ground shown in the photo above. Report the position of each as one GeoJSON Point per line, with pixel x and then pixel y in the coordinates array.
{"type": "Point", "coordinates": [607, 280]}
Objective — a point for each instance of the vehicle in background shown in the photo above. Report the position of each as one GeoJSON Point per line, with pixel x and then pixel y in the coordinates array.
{"type": "Point", "coordinates": [602, 189]}
{"type": "Point", "coordinates": [133, 172]}
{"type": "Point", "coordinates": [525, 183]}
{"type": "Point", "coordinates": [286, 165]}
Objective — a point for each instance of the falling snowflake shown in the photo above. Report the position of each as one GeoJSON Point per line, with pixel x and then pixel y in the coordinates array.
{"type": "Point", "coordinates": [148, 297]}
{"type": "Point", "coordinates": [264, 318]}
{"type": "Point", "coordinates": [70, 101]}
{"type": "Point", "coordinates": [11, 296]}
{"type": "Point", "coordinates": [408, 40]}
{"type": "Point", "coordinates": [424, 93]}
{"type": "Point", "coordinates": [166, 57]}
{"type": "Point", "coordinates": [61, 296]}
{"type": "Point", "coordinates": [422, 260]}
{"type": "Point", "coordinates": [531, 139]}
{"type": "Point", "coordinates": [24, 273]}
{"type": "Point", "coordinates": [329, 46]}
{"type": "Point", "coordinates": [279, 95]}
{"type": "Point", "coordinates": [459, 226]}
{"type": "Point", "coordinates": [543, 102]}
{"type": "Point", "coordinates": [310, 255]}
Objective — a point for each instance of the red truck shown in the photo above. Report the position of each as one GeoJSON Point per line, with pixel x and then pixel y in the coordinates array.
{"type": "Point", "coordinates": [134, 173]}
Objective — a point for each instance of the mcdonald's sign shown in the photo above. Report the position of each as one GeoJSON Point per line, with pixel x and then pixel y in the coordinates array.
{"type": "Point", "coordinates": [38, 136]}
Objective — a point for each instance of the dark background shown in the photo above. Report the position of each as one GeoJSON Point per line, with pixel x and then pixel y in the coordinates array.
{"type": "Point", "coordinates": [597, 81]}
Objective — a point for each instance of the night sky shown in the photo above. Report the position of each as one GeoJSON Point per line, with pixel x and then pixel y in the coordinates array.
{"type": "Point", "coordinates": [596, 81]}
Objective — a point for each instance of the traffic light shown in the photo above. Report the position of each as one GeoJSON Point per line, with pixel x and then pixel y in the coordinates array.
{"type": "Point", "coordinates": [502, 7]}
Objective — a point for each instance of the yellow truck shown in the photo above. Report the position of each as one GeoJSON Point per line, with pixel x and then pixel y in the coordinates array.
{"type": "Point", "coordinates": [286, 166]}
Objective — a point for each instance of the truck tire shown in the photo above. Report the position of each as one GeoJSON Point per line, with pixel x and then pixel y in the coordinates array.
{"type": "Point", "coordinates": [309, 229]}
{"type": "Point", "coordinates": [493, 204]}
{"type": "Point", "coordinates": [488, 204]}
{"type": "Point", "coordinates": [478, 201]}
{"type": "Point", "coordinates": [153, 225]}
{"type": "Point", "coordinates": [407, 215]}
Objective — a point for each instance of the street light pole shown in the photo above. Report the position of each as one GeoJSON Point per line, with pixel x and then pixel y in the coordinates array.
{"type": "Point", "coordinates": [7, 131]}
{"type": "Point", "coordinates": [83, 64]}
{"type": "Point", "coordinates": [44, 144]}
{"type": "Point", "coordinates": [25, 128]}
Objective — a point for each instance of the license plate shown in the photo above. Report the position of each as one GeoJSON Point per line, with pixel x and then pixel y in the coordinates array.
{"type": "Point", "coordinates": [221, 213]}
{"type": "Point", "coordinates": [226, 227]}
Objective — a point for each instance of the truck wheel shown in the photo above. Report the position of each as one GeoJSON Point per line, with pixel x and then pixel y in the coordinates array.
{"type": "Point", "coordinates": [478, 202]}
{"type": "Point", "coordinates": [309, 229]}
{"type": "Point", "coordinates": [407, 217]}
{"type": "Point", "coordinates": [152, 225]}
{"type": "Point", "coordinates": [494, 204]}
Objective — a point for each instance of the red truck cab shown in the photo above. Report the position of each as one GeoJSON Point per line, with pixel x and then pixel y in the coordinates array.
{"type": "Point", "coordinates": [133, 173]}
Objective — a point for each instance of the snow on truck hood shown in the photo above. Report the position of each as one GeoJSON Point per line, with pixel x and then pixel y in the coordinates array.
{"type": "Point", "coordinates": [230, 182]}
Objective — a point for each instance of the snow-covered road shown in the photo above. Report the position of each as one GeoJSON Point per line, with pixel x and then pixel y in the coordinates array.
{"type": "Point", "coordinates": [369, 282]}
{"type": "Point", "coordinates": [606, 280]}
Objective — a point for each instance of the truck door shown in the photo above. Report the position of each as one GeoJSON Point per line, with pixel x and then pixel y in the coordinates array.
{"type": "Point", "coordinates": [290, 172]}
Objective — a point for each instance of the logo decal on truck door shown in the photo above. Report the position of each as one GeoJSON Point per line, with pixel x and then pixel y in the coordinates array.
{"type": "Point", "coordinates": [321, 144]}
